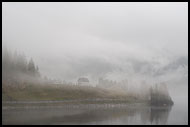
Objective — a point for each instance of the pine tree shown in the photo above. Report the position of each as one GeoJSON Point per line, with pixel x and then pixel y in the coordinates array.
{"type": "Point", "coordinates": [31, 67]}
{"type": "Point", "coordinates": [37, 71]}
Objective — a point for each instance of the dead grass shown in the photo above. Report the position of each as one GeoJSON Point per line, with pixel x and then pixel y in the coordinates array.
{"type": "Point", "coordinates": [59, 92]}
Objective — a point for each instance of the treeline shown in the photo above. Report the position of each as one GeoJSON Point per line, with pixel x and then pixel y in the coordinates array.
{"type": "Point", "coordinates": [16, 68]}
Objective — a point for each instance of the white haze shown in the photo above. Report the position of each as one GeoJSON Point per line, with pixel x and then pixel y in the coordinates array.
{"type": "Point", "coordinates": [117, 41]}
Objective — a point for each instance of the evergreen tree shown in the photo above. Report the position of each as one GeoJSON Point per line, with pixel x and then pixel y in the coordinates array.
{"type": "Point", "coordinates": [21, 63]}
{"type": "Point", "coordinates": [15, 66]}
{"type": "Point", "coordinates": [37, 71]}
{"type": "Point", "coordinates": [31, 67]}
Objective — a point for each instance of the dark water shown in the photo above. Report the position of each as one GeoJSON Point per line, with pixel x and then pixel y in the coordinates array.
{"type": "Point", "coordinates": [93, 114]}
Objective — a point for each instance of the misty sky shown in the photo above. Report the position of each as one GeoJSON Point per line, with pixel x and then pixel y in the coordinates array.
{"type": "Point", "coordinates": [69, 40]}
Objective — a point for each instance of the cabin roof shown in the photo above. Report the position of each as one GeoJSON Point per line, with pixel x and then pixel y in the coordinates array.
{"type": "Point", "coordinates": [83, 80]}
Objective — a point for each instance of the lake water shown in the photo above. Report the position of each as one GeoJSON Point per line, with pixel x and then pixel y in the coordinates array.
{"type": "Point", "coordinates": [95, 114]}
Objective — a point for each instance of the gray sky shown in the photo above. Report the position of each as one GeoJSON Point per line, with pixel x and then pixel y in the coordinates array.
{"type": "Point", "coordinates": [68, 40]}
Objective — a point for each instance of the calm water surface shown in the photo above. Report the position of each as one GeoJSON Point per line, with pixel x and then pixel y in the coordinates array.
{"type": "Point", "coordinates": [94, 114]}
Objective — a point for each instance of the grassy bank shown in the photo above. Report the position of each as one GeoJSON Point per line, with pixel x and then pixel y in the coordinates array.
{"type": "Point", "coordinates": [34, 92]}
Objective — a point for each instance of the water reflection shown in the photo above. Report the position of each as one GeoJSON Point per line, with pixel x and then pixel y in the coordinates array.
{"type": "Point", "coordinates": [99, 114]}
{"type": "Point", "coordinates": [160, 115]}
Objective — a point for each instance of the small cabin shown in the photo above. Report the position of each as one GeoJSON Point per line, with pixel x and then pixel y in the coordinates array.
{"type": "Point", "coordinates": [83, 81]}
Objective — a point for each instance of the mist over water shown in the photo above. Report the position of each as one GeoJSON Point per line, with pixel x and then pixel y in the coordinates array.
{"type": "Point", "coordinates": [128, 47]}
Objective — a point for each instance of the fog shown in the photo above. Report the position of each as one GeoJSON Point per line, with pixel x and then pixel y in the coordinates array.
{"type": "Point", "coordinates": [116, 41]}
{"type": "Point", "coordinates": [83, 38]}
